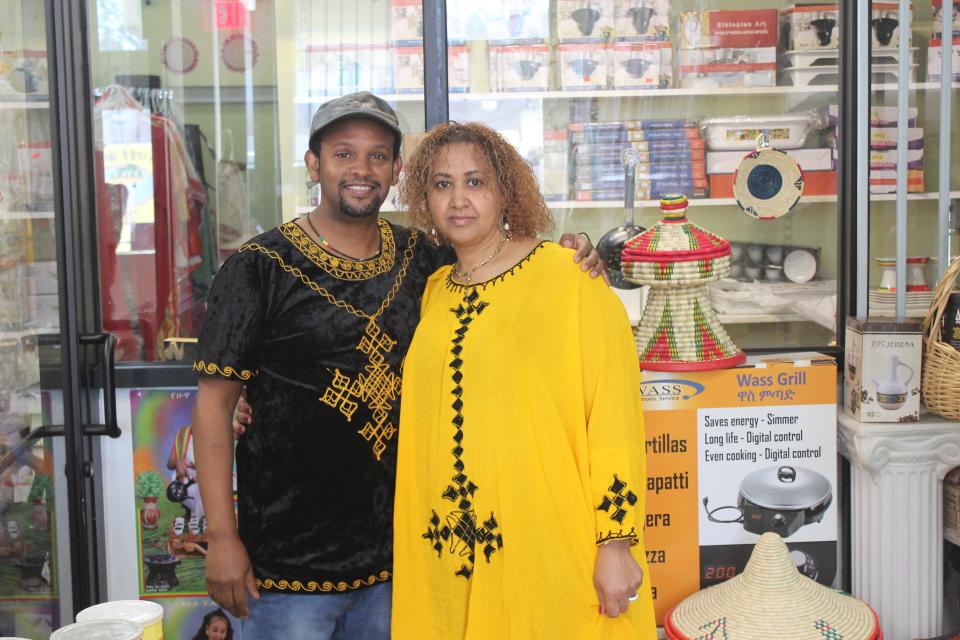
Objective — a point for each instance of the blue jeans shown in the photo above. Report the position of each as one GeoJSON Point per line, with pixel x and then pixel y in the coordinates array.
{"type": "Point", "coordinates": [363, 614]}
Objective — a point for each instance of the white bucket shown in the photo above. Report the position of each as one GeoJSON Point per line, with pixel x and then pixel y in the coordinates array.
{"type": "Point", "coordinates": [100, 630]}
{"type": "Point", "coordinates": [148, 615]}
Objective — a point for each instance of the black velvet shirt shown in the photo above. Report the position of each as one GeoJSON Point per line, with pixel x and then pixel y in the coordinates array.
{"type": "Point", "coordinates": [319, 342]}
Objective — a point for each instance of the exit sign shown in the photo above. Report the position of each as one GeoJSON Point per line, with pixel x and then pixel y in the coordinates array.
{"type": "Point", "coordinates": [229, 14]}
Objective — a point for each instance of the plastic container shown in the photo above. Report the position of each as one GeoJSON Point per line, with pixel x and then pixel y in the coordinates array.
{"type": "Point", "coordinates": [786, 131]}
{"type": "Point", "coordinates": [148, 615]}
{"type": "Point", "coordinates": [100, 630]}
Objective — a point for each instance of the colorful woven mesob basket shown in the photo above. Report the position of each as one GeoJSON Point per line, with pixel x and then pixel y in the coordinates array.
{"type": "Point", "coordinates": [679, 330]}
{"type": "Point", "coordinates": [771, 599]}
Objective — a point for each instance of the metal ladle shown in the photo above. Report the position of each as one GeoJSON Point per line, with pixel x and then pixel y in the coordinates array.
{"type": "Point", "coordinates": [611, 244]}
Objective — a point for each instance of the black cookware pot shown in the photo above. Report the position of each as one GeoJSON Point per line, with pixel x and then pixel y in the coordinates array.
{"type": "Point", "coordinates": [586, 18]}
{"type": "Point", "coordinates": [526, 68]}
{"type": "Point", "coordinates": [884, 28]}
{"type": "Point", "coordinates": [584, 67]}
{"type": "Point", "coordinates": [636, 67]}
{"type": "Point", "coordinates": [779, 499]}
{"type": "Point", "coordinates": [640, 16]}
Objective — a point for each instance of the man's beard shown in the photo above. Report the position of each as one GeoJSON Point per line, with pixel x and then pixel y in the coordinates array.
{"type": "Point", "coordinates": [371, 209]}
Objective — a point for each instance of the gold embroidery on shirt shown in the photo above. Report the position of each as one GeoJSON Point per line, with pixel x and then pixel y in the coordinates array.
{"type": "Point", "coordinates": [226, 372]}
{"type": "Point", "coordinates": [378, 386]}
{"type": "Point", "coordinates": [311, 586]}
{"type": "Point", "coordinates": [343, 268]}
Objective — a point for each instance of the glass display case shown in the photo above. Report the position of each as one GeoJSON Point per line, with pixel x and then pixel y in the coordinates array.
{"type": "Point", "coordinates": [691, 86]}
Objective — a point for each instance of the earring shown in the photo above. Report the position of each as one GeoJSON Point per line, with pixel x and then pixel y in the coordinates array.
{"type": "Point", "coordinates": [434, 236]}
{"type": "Point", "coordinates": [505, 232]}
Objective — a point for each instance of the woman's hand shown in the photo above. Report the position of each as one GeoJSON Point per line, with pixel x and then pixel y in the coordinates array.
{"type": "Point", "coordinates": [617, 576]}
{"type": "Point", "coordinates": [242, 416]}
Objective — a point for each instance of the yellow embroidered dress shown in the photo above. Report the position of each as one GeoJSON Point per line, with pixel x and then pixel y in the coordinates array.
{"type": "Point", "coordinates": [521, 449]}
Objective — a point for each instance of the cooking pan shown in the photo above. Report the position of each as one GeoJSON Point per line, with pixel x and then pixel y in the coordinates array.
{"type": "Point", "coordinates": [611, 244]}
{"type": "Point", "coordinates": [779, 500]}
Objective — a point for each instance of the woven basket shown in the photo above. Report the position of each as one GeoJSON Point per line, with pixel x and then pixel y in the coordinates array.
{"type": "Point", "coordinates": [940, 383]}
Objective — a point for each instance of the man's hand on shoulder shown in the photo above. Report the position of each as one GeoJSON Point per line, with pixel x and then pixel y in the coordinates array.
{"type": "Point", "coordinates": [586, 255]}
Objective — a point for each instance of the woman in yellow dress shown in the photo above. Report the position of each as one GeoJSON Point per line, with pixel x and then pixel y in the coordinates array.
{"type": "Point", "coordinates": [520, 484]}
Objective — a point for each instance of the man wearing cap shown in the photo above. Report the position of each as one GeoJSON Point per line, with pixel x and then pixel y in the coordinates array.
{"type": "Point", "coordinates": [314, 318]}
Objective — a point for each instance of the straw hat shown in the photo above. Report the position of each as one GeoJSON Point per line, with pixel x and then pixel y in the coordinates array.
{"type": "Point", "coordinates": [679, 330]}
{"type": "Point", "coordinates": [771, 599]}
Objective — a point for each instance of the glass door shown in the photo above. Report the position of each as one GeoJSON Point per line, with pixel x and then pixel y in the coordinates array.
{"type": "Point", "coordinates": [49, 370]}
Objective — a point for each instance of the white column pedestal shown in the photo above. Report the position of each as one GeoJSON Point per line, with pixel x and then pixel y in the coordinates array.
{"type": "Point", "coordinates": [897, 519]}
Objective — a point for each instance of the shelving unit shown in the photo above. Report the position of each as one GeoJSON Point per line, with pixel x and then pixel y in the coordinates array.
{"type": "Point", "coordinates": [26, 215]}
{"type": "Point", "coordinates": [738, 92]}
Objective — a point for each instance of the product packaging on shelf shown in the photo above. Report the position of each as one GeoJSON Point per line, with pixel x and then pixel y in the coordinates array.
{"type": "Point", "coordinates": [936, 31]}
{"type": "Point", "coordinates": [815, 183]}
{"type": "Point", "coordinates": [555, 162]}
{"type": "Point", "coordinates": [740, 29]}
{"type": "Point", "coordinates": [885, 181]}
{"type": "Point", "coordinates": [808, 159]}
{"type": "Point", "coordinates": [885, 24]}
{"type": "Point", "coordinates": [406, 22]}
{"type": "Point", "coordinates": [784, 131]}
{"type": "Point", "coordinates": [886, 138]}
{"type": "Point", "coordinates": [458, 69]}
{"type": "Point", "coordinates": [881, 379]}
{"type": "Point", "coordinates": [408, 69]}
{"type": "Point", "coordinates": [520, 68]}
{"type": "Point", "coordinates": [810, 26]}
{"type": "Point", "coordinates": [725, 67]}
{"type": "Point", "coordinates": [642, 65]}
{"type": "Point", "coordinates": [334, 70]}
{"type": "Point", "coordinates": [35, 164]}
{"type": "Point", "coordinates": [584, 66]}
{"type": "Point", "coordinates": [498, 21]}
{"type": "Point", "coordinates": [579, 21]}
{"type": "Point", "coordinates": [935, 59]}
{"type": "Point", "coordinates": [642, 19]}
{"type": "Point", "coordinates": [23, 72]}
{"type": "Point", "coordinates": [879, 116]}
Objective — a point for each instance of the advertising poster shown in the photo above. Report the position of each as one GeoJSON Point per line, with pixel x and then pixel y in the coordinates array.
{"type": "Point", "coordinates": [732, 454]}
{"type": "Point", "coordinates": [196, 619]}
{"type": "Point", "coordinates": [28, 588]}
{"type": "Point", "coordinates": [170, 515]}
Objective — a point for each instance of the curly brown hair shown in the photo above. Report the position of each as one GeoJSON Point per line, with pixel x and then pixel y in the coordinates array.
{"type": "Point", "coordinates": [524, 206]}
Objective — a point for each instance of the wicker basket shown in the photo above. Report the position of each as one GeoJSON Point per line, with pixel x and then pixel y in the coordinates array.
{"type": "Point", "coordinates": [941, 362]}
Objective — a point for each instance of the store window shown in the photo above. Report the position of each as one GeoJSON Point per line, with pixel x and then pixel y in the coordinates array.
{"type": "Point", "coordinates": [201, 118]}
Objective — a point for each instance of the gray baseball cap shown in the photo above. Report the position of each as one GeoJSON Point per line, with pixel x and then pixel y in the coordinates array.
{"type": "Point", "coordinates": [356, 105]}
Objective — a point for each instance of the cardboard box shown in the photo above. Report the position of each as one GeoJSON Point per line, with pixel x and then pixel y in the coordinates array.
{"type": "Point", "coordinates": [520, 68]}
{"type": "Point", "coordinates": [886, 138]}
{"type": "Point", "coordinates": [742, 29]}
{"type": "Point", "coordinates": [725, 67]}
{"type": "Point", "coordinates": [406, 22]}
{"type": "Point", "coordinates": [815, 183]}
{"type": "Point", "coordinates": [936, 31]}
{"type": "Point", "coordinates": [642, 65]}
{"type": "Point", "coordinates": [810, 26]}
{"type": "Point", "coordinates": [584, 66]}
{"type": "Point", "coordinates": [881, 379]}
{"type": "Point", "coordinates": [579, 21]}
{"type": "Point", "coordinates": [408, 69]}
{"type": "Point", "coordinates": [935, 59]}
{"type": "Point", "coordinates": [555, 162]}
{"type": "Point", "coordinates": [882, 181]}
{"type": "Point", "coordinates": [808, 159]}
{"type": "Point", "coordinates": [458, 69]}
{"type": "Point", "coordinates": [705, 431]}
{"type": "Point", "coordinates": [879, 116]}
{"type": "Point", "coordinates": [885, 24]}
{"type": "Point", "coordinates": [642, 20]}
{"type": "Point", "coordinates": [498, 21]}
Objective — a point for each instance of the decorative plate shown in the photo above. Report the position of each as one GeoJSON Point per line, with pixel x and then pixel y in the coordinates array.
{"type": "Point", "coordinates": [800, 266]}
{"type": "Point", "coordinates": [768, 183]}
{"type": "Point", "coordinates": [180, 55]}
{"type": "Point", "coordinates": [232, 53]}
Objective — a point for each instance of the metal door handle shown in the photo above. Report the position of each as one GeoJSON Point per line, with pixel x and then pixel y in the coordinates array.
{"type": "Point", "coordinates": [109, 425]}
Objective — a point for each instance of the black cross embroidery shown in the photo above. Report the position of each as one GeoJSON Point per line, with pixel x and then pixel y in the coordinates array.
{"type": "Point", "coordinates": [616, 500]}
{"type": "Point", "coordinates": [460, 528]}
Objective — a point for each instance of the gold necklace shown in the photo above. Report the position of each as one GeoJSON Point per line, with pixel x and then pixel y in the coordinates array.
{"type": "Point", "coordinates": [333, 249]}
{"type": "Point", "coordinates": [465, 275]}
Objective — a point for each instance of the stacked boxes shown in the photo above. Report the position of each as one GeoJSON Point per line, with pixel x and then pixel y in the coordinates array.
{"type": "Point", "coordinates": [520, 68]}
{"type": "Point", "coordinates": [642, 20]}
{"type": "Point", "coordinates": [332, 70]}
{"type": "Point", "coordinates": [579, 21]}
{"type": "Point", "coordinates": [641, 65]}
{"type": "Point", "coordinates": [728, 48]}
{"type": "Point", "coordinates": [883, 149]}
{"type": "Point", "coordinates": [555, 163]}
{"type": "Point", "coordinates": [671, 159]}
{"type": "Point", "coordinates": [934, 51]}
{"type": "Point", "coordinates": [818, 166]}
{"type": "Point", "coordinates": [810, 39]}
